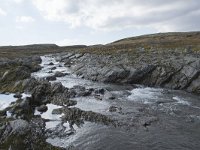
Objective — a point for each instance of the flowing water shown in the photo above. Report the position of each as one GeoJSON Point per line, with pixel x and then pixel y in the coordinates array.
{"type": "Point", "coordinates": [150, 118]}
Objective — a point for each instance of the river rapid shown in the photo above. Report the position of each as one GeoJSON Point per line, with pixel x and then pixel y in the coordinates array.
{"type": "Point", "coordinates": [149, 118]}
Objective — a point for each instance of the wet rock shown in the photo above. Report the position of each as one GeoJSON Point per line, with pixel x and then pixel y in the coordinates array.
{"type": "Point", "coordinates": [147, 121]}
{"type": "Point", "coordinates": [51, 78]}
{"type": "Point", "coordinates": [42, 108]}
{"type": "Point", "coordinates": [51, 64]}
{"type": "Point", "coordinates": [57, 111]}
{"type": "Point", "coordinates": [67, 65]}
{"type": "Point", "coordinates": [53, 68]}
{"type": "Point", "coordinates": [71, 103]}
{"type": "Point", "coordinates": [81, 91]}
{"type": "Point", "coordinates": [60, 74]}
{"type": "Point", "coordinates": [67, 62]}
{"type": "Point", "coordinates": [17, 95]}
{"type": "Point", "coordinates": [114, 109]}
{"type": "Point", "coordinates": [99, 91]}
{"type": "Point", "coordinates": [164, 101]}
{"type": "Point", "coordinates": [98, 97]}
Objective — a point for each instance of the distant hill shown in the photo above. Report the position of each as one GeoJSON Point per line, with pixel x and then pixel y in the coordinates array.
{"type": "Point", "coordinates": [34, 49]}
{"type": "Point", "coordinates": [162, 40]}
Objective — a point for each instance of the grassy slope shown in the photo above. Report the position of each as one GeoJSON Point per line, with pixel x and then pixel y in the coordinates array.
{"type": "Point", "coordinates": [161, 42]}
{"type": "Point", "coordinates": [177, 41]}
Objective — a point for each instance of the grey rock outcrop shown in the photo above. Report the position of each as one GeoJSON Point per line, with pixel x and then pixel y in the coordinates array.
{"type": "Point", "coordinates": [171, 70]}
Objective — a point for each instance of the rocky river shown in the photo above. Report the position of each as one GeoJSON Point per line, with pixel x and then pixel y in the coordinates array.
{"type": "Point", "coordinates": [86, 112]}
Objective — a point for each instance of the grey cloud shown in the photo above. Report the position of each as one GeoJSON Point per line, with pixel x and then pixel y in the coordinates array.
{"type": "Point", "coordinates": [109, 14]}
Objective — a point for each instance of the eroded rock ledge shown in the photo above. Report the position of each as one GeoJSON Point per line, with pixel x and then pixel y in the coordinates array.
{"type": "Point", "coordinates": [180, 71]}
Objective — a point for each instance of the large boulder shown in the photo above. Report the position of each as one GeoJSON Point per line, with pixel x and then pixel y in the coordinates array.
{"type": "Point", "coordinates": [41, 92]}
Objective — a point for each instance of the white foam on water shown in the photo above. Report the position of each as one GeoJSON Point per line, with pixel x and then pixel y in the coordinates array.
{"type": "Point", "coordinates": [48, 59]}
{"type": "Point", "coordinates": [145, 95]}
{"type": "Point", "coordinates": [46, 70]}
{"type": "Point", "coordinates": [181, 101]}
{"type": "Point", "coordinates": [25, 95]}
{"type": "Point", "coordinates": [68, 82]}
{"type": "Point", "coordinates": [5, 100]}
{"type": "Point", "coordinates": [91, 104]}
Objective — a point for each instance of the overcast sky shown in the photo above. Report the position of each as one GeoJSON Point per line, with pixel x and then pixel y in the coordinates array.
{"type": "Point", "coordinates": [68, 22]}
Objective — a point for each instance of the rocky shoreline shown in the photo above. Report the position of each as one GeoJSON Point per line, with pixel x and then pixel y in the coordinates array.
{"type": "Point", "coordinates": [173, 71]}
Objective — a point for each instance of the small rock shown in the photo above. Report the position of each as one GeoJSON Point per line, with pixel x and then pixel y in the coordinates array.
{"type": "Point", "coordinates": [70, 103]}
{"type": "Point", "coordinates": [51, 63]}
{"type": "Point", "coordinates": [51, 78]}
{"type": "Point", "coordinates": [60, 74]}
{"type": "Point", "coordinates": [17, 95]}
{"type": "Point", "coordinates": [42, 108]}
{"type": "Point", "coordinates": [81, 91]}
{"type": "Point", "coordinates": [53, 68]}
{"type": "Point", "coordinates": [57, 111]}
{"type": "Point", "coordinates": [100, 91]}
{"type": "Point", "coordinates": [50, 71]}
{"type": "Point", "coordinates": [114, 109]}
{"type": "Point", "coordinates": [98, 97]}
{"type": "Point", "coordinates": [147, 121]}
{"type": "Point", "coordinates": [68, 66]}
